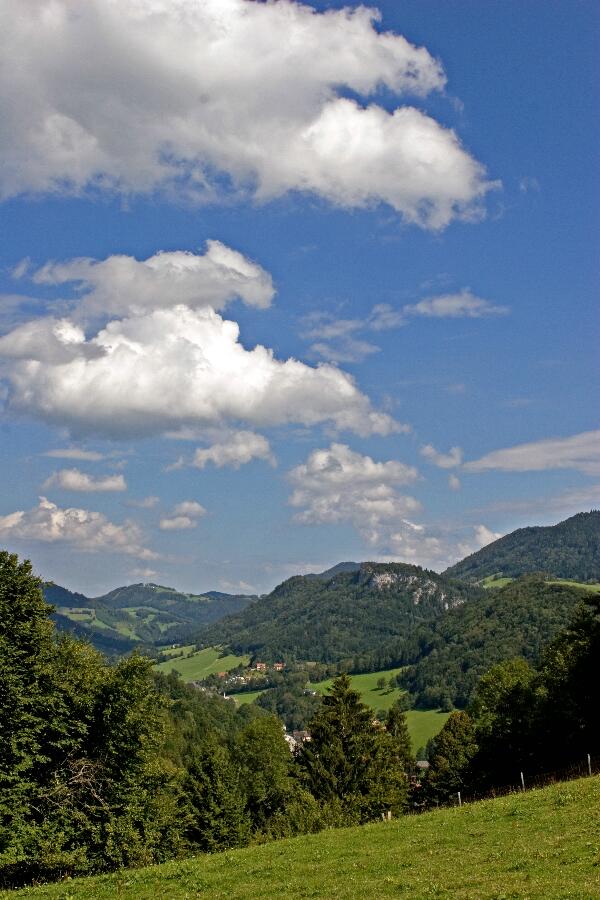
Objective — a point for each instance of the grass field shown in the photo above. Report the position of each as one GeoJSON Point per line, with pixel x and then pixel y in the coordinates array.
{"type": "Point", "coordinates": [202, 663]}
{"type": "Point", "coordinates": [541, 845]}
{"type": "Point", "coordinates": [495, 581]}
{"type": "Point", "coordinates": [366, 685]}
{"type": "Point", "coordinates": [422, 724]}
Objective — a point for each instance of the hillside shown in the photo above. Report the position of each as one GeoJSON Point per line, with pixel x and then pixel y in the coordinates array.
{"type": "Point", "coordinates": [350, 615]}
{"type": "Point", "coordinates": [136, 614]}
{"type": "Point", "coordinates": [516, 620]}
{"type": "Point", "coordinates": [541, 845]}
{"type": "Point", "coordinates": [570, 549]}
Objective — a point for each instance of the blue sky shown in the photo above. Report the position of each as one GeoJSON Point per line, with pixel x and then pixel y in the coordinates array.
{"type": "Point", "coordinates": [409, 236]}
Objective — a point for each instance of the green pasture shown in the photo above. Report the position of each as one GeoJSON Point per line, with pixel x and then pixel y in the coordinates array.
{"type": "Point", "coordinates": [202, 663]}
{"type": "Point", "coordinates": [540, 845]}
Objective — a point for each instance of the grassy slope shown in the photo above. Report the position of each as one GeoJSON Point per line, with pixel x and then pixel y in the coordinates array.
{"type": "Point", "coordinates": [493, 581]}
{"type": "Point", "coordinates": [542, 845]}
{"type": "Point", "coordinates": [203, 663]}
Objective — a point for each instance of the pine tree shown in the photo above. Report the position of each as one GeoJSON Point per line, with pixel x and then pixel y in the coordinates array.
{"type": "Point", "coordinates": [351, 760]}
{"type": "Point", "coordinates": [212, 788]}
{"type": "Point", "coordinates": [450, 755]}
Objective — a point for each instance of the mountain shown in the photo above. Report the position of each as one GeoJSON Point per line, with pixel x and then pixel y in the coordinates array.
{"type": "Point", "coordinates": [335, 570]}
{"type": "Point", "coordinates": [514, 621]}
{"type": "Point", "coordinates": [351, 616]}
{"type": "Point", "coordinates": [148, 614]}
{"type": "Point", "coordinates": [570, 549]}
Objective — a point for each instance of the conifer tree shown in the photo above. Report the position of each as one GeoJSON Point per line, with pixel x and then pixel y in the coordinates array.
{"type": "Point", "coordinates": [351, 760]}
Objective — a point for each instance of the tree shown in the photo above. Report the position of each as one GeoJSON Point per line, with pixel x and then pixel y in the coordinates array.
{"type": "Point", "coordinates": [265, 764]}
{"type": "Point", "coordinates": [350, 760]}
{"type": "Point", "coordinates": [397, 727]}
{"type": "Point", "coordinates": [504, 711]}
{"type": "Point", "coordinates": [212, 788]}
{"type": "Point", "coordinates": [450, 754]}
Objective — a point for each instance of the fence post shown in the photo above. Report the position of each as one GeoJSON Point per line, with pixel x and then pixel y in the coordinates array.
{"type": "Point", "coordinates": [522, 782]}
{"type": "Point", "coordinates": [459, 799]}
{"type": "Point", "coordinates": [589, 764]}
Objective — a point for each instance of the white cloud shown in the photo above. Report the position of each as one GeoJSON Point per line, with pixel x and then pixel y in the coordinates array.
{"type": "Point", "coordinates": [346, 350]}
{"type": "Point", "coordinates": [485, 536]}
{"type": "Point", "coordinates": [143, 573]}
{"type": "Point", "coordinates": [177, 523]}
{"type": "Point", "coordinates": [131, 96]}
{"type": "Point", "coordinates": [580, 452]}
{"type": "Point", "coordinates": [75, 480]}
{"type": "Point", "coordinates": [339, 485]}
{"type": "Point", "coordinates": [123, 285]}
{"type": "Point", "coordinates": [144, 503]}
{"type": "Point", "coordinates": [74, 453]}
{"type": "Point", "coordinates": [442, 460]}
{"type": "Point", "coordinates": [455, 306]}
{"type": "Point", "coordinates": [337, 340]}
{"type": "Point", "coordinates": [189, 508]}
{"type": "Point", "coordinates": [239, 448]}
{"type": "Point", "coordinates": [453, 483]}
{"type": "Point", "coordinates": [81, 528]}
{"type": "Point", "coordinates": [185, 515]}
{"type": "Point", "coordinates": [171, 369]}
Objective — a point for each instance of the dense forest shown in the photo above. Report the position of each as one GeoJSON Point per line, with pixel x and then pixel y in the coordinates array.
{"type": "Point", "coordinates": [514, 621]}
{"type": "Point", "coordinates": [341, 618]}
{"type": "Point", "coordinates": [540, 719]}
{"type": "Point", "coordinates": [570, 549]}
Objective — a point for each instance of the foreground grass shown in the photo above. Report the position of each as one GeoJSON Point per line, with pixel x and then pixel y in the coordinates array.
{"type": "Point", "coordinates": [202, 663]}
{"type": "Point", "coordinates": [542, 845]}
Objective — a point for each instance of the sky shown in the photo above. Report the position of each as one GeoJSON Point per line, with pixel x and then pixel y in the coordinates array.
{"type": "Point", "coordinates": [284, 284]}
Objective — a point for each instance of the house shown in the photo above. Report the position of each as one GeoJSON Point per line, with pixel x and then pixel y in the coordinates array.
{"type": "Point", "coordinates": [301, 737]}
{"type": "Point", "coordinates": [261, 667]}
{"type": "Point", "coordinates": [291, 742]}
{"type": "Point", "coordinates": [279, 666]}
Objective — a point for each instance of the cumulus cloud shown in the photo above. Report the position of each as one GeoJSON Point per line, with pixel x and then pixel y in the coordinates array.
{"type": "Point", "coordinates": [442, 460]}
{"type": "Point", "coordinates": [463, 305]}
{"type": "Point", "coordinates": [75, 480]}
{"type": "Point", "coordinates": [485, 536]}
{"type": "Point", "coordinates": [123, 285]}
{"type": "Point", "coordinates": [239, 448]}
{"type": "Point", "coordinates": [130, 96]}
{"type": "Point", "coordinates": [580, 452]}
{"type": "Point", "coordinates": [80, 528]}
{"type": "Point", "coordinates": [185, 515]}
{"type": "Point", "coordinates": [169, 369]}
{"type": "Point", "coordinates": [337, 484]}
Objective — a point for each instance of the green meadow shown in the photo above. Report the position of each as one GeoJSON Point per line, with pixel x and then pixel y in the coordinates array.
{"type": "Point", "coordinates": [202, 663]}
{"type": "Point", "coordinates": [540, 845]}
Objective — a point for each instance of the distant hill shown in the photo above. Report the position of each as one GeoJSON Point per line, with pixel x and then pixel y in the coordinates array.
{"type": "Point", "coordinates": [350, 615]}
{"type": "Point", "coordinates": [516, 620]}
{"type": "Point", "coordinates": [148, 614]}
{"type": "Point", "coordinates": [570, 549]}
{"type": "Point", "coordinates": [335, 570]}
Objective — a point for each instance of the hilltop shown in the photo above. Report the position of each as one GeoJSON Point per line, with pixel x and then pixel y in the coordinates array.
{"type": "Point", "coordinates": [342, 616]}
{"type": "Point", "coordinates": [570, 549]}
{"type": "Point", "coordinates": [542, 845]}
{"type": "Point", "coordinates": [148, 614]}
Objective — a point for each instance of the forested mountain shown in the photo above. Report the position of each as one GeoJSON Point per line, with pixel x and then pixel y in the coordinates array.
{"type": "Point", "coordinates": [514, 621]}
{"type": "Point", "coordinates": [350, 616]}
{"type": "Point", "coordinates": [137, 614]}
{"type": "Point", "coordinates": [570, 549]}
